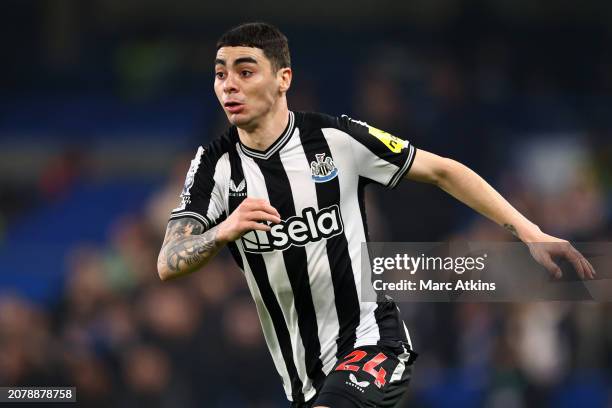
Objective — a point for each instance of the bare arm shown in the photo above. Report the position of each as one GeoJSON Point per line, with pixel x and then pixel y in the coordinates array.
{"type": "Point", "coordinates": [471, 189]}
{"type": "Point", "coordinates": [187, 247]}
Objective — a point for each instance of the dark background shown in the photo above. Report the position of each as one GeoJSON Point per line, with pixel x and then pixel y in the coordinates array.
{"type": "Point", "coordinates": [103, 103]}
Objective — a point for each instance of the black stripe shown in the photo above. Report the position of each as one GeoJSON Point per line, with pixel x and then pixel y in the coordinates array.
{"type": "Point", "coordinates": [361, 133]}
{"type": "Point", "coordinates": [260, 274]}
{"type": "Point", "coordinates": [258, 267]}
{"type": "Point", "coordinates": [363, 181]}
{"type": "Point", "coordinates": [403, 170]}
{"type": "Point", "coordinates": [281, 198]}
{"type": "Point", "coordinates": [390, 325]}
{"type": "Point", "coordinates": [345, 291]}
{"type": "Point", "coordinates": [233, 248]}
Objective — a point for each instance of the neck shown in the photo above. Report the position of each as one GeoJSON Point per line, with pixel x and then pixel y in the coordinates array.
{"type": "Point", "coordinates": [261, 135]}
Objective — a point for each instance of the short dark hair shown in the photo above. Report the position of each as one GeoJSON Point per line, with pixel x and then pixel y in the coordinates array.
{"type": "Point", "coordinates": [265, 36]}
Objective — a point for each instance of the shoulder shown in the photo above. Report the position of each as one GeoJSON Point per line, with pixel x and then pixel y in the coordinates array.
{"type": "Point", "coordinates": [211, 159]}
{"type": "Point", "coordinates": [222, 144]}
{"type": "Point", "coordinates": [216, 148]}
{"type": "Point", "coordinates": [308, 121]}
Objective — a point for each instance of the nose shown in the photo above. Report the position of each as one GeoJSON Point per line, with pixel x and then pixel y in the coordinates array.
{"type": "Point", "coordinates": [229, 85]}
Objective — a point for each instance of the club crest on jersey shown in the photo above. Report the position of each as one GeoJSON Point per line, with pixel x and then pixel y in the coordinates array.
{"type": "Point", "coordinates": [237, 190]}
{"type": "Point", "coordinates": [323, 168]}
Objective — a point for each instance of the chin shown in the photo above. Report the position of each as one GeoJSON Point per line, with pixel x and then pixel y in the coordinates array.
{"type": "Point", "coordinates": [240, 120]}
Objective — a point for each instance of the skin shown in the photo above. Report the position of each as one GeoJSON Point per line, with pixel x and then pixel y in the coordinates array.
{"type": "Point", "coordinates": [471, 189]}
{"type": "Point", "coordinates": [187, 247]}
{"type": "Point", "coordinates": [246, 77]}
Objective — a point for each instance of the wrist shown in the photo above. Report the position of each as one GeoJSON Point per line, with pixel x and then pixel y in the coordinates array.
{"type": "Point", "coordinates": [530, 233]}
{"type": "Point", "coordinates": [220, 236]}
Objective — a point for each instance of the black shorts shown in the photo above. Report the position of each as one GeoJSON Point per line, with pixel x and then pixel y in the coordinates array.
{"type": "Point", "coordinates": [369, 376]}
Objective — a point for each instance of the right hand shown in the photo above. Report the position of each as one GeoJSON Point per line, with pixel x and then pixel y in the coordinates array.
{"type": "Point", "coordinates": [246, 217]}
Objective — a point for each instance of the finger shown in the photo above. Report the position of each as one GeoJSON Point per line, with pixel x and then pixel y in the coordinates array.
{"type": "Point", "coordinates": [253, 225]}
{"type": "Point", "coordinates": [263, 216]}
{"type": "Point", "coordinates": [583, 267]}
{"type": "Point", "coordinates": [254, 200]}
{"type": "Point", "coordinates": [572, 255]}
{"type": "Point", "coordinates": [251, 202]}
{"type": "Point", "coordinates": [552, 267]}
{"type": "Point", "coordinates": [264, 206]}
{"type": "Point", "coordinates": [589, 268]}
{"type": "Point", "coordinates": [272, 210]}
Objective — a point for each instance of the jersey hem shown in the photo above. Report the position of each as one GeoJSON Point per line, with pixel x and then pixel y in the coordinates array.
{"type": "Point", "coordinates": [402, 171]}
{"type": "Point", "coordinates": [191, 214]}
{"type": "Point", "coordinates": [307, 396]}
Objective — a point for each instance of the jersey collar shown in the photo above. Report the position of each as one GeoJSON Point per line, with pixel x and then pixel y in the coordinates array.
{"type": "Point", "coordinates": [274, 147]}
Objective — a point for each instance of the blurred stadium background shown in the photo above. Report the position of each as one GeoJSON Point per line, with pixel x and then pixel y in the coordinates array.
{"type": "Point", "coordinates": [103, 103]}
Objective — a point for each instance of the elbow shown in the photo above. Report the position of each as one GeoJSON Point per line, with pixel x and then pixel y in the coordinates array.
{"type": "Point", "coordinates": [162, 269]}
{"type": "Point", "coordinates": [162, 272]}
{"type": "Point", "coordinates": [166, 272]}
{"type": "Point", "coordinates": [443, 171]}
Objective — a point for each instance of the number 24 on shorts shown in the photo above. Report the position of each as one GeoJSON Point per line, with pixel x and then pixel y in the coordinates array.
{"type": "Point", "coordinates": [369, 367]}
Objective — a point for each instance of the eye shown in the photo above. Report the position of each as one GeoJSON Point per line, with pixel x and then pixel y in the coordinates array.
{"type": "Point", "coordinates": [220, 75]}
{"type": "Point", "coordinates": [246, 73]}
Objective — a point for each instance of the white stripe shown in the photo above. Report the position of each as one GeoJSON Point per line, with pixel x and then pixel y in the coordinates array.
{"type": "Point", "coordinates": [398, 175]}
{"type": "Point", "coordinates": [295, 162]}
{"type": "Point", "coordinates": [279, 279]}
{"type": "Point", "coordinates": [195, 165]}
{"type": "Point", "coordinates": [348, 176]}
{"type": "Point", "coordinates": [378, 169]}
{"type": "Point", "coordinates": [190, 179]}
{"type": "Point", "coordinates": [267, 326]}
{"type": "Point", "coordinates": [401, 366]}
{"type": "Point", "coordinates": [407, 335]}
{"type": "Point", "coordinates": [217, 203]}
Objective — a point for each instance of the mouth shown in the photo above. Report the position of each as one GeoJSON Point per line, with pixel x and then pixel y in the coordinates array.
{"type": "Point", "coordinates": [233, 106]}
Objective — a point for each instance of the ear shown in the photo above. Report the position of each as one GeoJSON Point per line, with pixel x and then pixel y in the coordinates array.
{"type": "Point", "coordinates": [284, 76]}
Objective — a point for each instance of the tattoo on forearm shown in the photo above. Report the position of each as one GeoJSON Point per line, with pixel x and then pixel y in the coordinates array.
{"type": "Point", "coordinates": [191, 251]}
{"type": "Point", "coordinates": [183, 227]}
{"type": "Point", "coordinates": [511, 228]}
{"type": "Point", "coordinates": [185, 247]}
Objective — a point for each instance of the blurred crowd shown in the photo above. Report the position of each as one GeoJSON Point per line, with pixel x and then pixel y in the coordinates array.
{"type": "Point", "coordinates": [126, 339]}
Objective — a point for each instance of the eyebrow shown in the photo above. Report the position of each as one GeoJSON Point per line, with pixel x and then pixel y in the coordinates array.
{"type": "Point", "coordinates": [241, 60]}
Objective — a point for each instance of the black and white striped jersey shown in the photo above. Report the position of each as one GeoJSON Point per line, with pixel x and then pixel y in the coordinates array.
{"type": "Point", "coordinates": [304, 274]}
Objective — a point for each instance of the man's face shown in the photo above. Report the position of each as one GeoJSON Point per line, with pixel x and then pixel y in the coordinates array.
{"type": "Point", "coordinates": [246, 84]}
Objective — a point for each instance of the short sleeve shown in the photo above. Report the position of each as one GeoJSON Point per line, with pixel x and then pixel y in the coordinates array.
{"type": "Point", "coordinates": [379, 156]}
{"type": "Point", "coordinates": [202, 196]}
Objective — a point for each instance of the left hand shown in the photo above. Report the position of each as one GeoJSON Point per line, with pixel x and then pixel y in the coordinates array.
{"type": "Point", "coordinates": [546, 247]}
